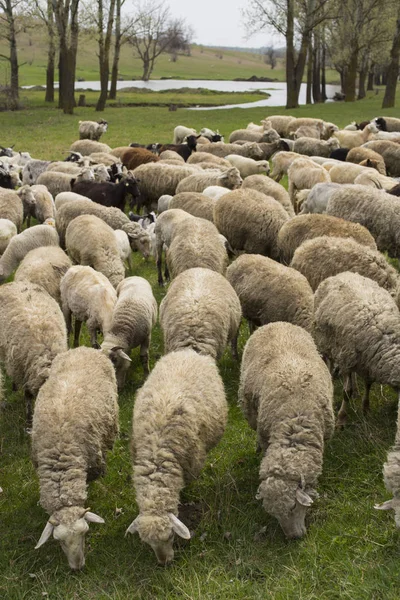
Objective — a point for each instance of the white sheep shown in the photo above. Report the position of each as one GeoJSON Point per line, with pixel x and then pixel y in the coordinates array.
{"type": "Point", "coordinates": [12, 204]}
{"type": "Point", "coordinates": [215, 191]}
{"type": "Point", "coordinates": [179, 414]}
{"type": "Point", "coordinates": [8, 230]}
{"type": "Point", "coordinates": [230, 179]}
{"type": "Point", "coordinates": [269, 187]}
{"type": "Point", "coordinates": [75, 423]}
{"type": "Point", "coordinates": [352, 139]}
{"type": "Point", "coordinates": [317, 198]}
{"type": "Point", "coordinates": [92, 130]}
{"type": "Point", "coordinates": [87, 147]}
{"type": "Point", "coordinates": [163, 203]}
{"type": "Point", "coordinates": [61, 182]}
{"type": "Point", "coordinates": [43, 207]}
{"type": "Point", "coordinates": [181, 133]}
{"type": "Point", "coordinates": [281, 161]}
{"type": "Point", "coordinates": [133, 318]}
{"type": "Point", "coordinates": [124, 246]}
{"type": "Point", "coordinates": [248, 166]}
{"type": "Point", "coordinates": [65, 197]}
{"type": "Point", "coordinates": [304, 174]}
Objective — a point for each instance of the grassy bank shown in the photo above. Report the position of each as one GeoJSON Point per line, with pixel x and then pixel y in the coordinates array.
{"type": "Point", "coordinates": [238, 552]}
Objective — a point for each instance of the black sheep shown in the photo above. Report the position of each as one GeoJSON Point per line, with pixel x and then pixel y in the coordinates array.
{"type": "Point", "coordinates": [339, 153]}
{"type": "Point", "coordinates": [108, 194]}
{"type": "Point", "coordinates": [184, 150]}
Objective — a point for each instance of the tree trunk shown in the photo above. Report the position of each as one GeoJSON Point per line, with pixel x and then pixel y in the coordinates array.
{"type": "Point", "coordinates": [14, 67]}
{"type": "Point", "coordinates": [291, 97]}
{"type": "Point", "coordinates": [117, 50]}
{"type": "Point", "coordinates": [317, 70]}
{"type": "Point", "coordinates": [351, 77]}
{"type": "Point", "coordinates": [309, 75]}
{"type": "Point", "coordinates": [393, 70]}
{"type": "Point", "coordinates": [67, 25]}
{"type": "Point", "coordinates": [361, 84]}
{"type": "Point", "coordinates": [370, 84]}
{"type": "Point", "coordinates": [51, 54]}
{"type": "Point", "coordinates": [324, 96]}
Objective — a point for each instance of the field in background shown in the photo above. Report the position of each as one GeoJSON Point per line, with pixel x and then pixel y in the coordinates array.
{"type": "Point", "coordinates": [237, 552]}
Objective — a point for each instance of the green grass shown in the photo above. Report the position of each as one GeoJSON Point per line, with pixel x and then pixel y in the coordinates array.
{"type": "Point", "coordinates": [351, 551]}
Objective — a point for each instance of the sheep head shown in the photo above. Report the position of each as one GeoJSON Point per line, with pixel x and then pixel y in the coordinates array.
{"type": "Point", "coordinates": [287, 500]}
{"type": "Point", "coordinates": [119, 359]}
{"type": "Point", "coordinates": [139, 238]}
{"type": "Point", "coordinates": [159, 532]}
{"type": "Point", "coordinates": [231, 179]}
{"type": "Point", "coordinates": [69, 526]}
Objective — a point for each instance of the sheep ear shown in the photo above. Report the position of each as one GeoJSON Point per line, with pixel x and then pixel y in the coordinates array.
{"type": "Point", "coordinates": [303, 498]}
{"type": "Point", "coordinates": [46, 533]}
{"type": "Point", "coordinates": [118, 350]}
{"type": "Point", "coordinates": [93, 518]}
{"type": "Point", "coordinates": [133, 526]}
{"type": "Point", "coordinates": [179, 527]}
{"type": "Point", "coordinates": [388, 505]}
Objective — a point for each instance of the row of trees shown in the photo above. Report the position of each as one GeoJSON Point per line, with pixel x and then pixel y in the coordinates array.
{"type": "Point", "coordinates": [361, 39]}
{"type": "Point", "coordinates": [149, 29]}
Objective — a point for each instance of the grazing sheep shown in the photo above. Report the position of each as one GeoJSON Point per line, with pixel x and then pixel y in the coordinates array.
{"type": "Point", "coordinates": [163, 203]}
{"type": "Point", "coordinates": [158, 179]}
{"type": "Point", "coordinates": [372, 178]}
{"type": "Point", "coordinates": [195, 204]}
{"type": "Point", "coordinates": [281, 162]}
{"type": "Point", "coordinates": [12, 204]}
{"type": "Point", "coordinates": [391, 478]}
{"type": "Point", "coordinates": [306, 227]}
{"type": "Point", "coordinates": [86, 147]}
{"type": "Point", "coordinates": [44, 266]}
{"type": "Point", "coordinates": [309, 131]}
{"type": "Point", "coordinates": [201, 311]}
{"type": "Point", "coordinates": [352, 139]}
{"type": "Point", "coordinates": [374, 209]}
{"type": "Point", "coordinates": [346, 172]}
{"type": "Point", "coordinates": [70, 168]}
{"type": "Point", "coordinates": [220, 149]}
{"type": "Point", "coordinates": [230, 179]}
{"type": "Point", "coordinates": [339, 154]}
{"type": "Point", "coordinates": [133, 318]}
{"type": "Point", "coordinates": [280, 123]}
{"type": "Point", "coordinates": [115, 218]}
{"type": "Point", "coordinates": [248, 166]}
{"type": "Point", "coordinates": [390, 152]}
{"type": "Point", "coordinates": [322, 257]}
{"type": "Point", "coordinates": [181, 132]}
{"type": "Point", "coordinates": [250, 135]}
{"type": "Point", "coordinates": [104, 158]}
{"type": "Point", "coordinates": [200, 157]}
{"type": "Point", "coordinates": [311, 147]}
{"type": "Point", "coordinates": [361, 153]}
{"type": "Point", "coordinates": [267, 186]}
{"type": "Point", "coordinates": [215, 191]}
{"type": "Point", "coordinates": [271, 292]}
{"type": "Point", "coordinates": [303, 175]}
{"type": "Point", "coordinates": [91, 242]}
{"type": "Point", "coordinates": [43, 207]}
{"type": "Point", "coordinates": [8, 230]}
{"type": "Point", "coordinates": [317, 199]}
{"type": "Point", "coordinates": [179, 414]}
{"type": "Point", "coordinates": [21, 244]}
{"type": "Point", "coordinates": [250, 221]}
{"type": "Point", "coordinates": [32, 333]}
{"type": "Point", "coordinates": [88, 296]}
{"type": "Point", "coordinates": [62, 182]}
{"type": "Point", "coordinates": [184, 150]}
{"type": "Point", "coordinates": [196, 243]}
{"type": "Point", "coordinates": [109, 194]}
{"type": "Point", "coordinates": [357, 327]}
{"type": "Point", "coordinates": [134, 157]}
{"type": "Point", "coordinates": [74, 424]}
{"type": "Point", "coordinates": [388, 123]}
{"type": "Point", "coordinates": [269, 150]}
{"type": "Point", "coordinates": [286, 394]}
{"type": "Point", "coordinates": [171, 155]}
{"type": "Point", "coordinates": [124, 246]}
{"type": "Point", "coordinates": [32, 170]}
{"type": "Point", "coordinates": [65, 197]}
{"type": "Point", "coordinates": [92, 130]}
{"type": "Point", "coordinates": [295, 123]}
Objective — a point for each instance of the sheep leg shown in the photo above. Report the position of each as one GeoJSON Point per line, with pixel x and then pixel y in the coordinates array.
{"type": "Point", "coordinates": [159, 266]}
{"type": "Point", "coordinates": [67, 317]}
{"type": "Point", "coordinates": [365, 400]}
{"type": "Point", "coordinates": [28, 221]}
{"type": "Point", "coordinates": [29, 411]}
{"type": "Point", "coordinates": [292, 192]}
{"type": "Point", "coordinates": [347, 395]}
{"type": "Point", "coordinates": [93, 337]}
{"type": "Point", "coordinates": [78, 325]}
{"type": "Point", "coordinates": [129, 263]}
{"type": "Point", "coordinates": [234, 345]}
{"type": "Point", "coordinates": [144, 356]}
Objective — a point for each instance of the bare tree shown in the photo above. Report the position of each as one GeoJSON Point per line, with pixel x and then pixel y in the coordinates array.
{"type": "Point", "coordinates": [66, 18]}
{"type": "Point", "coordinates": [119, 36]}
{"type": "Point", "coordinates": [393, 70]}
{"type": "Point", "coordinates": [9, 30]}
{"type": "Point", "coordinates": [105, 22]}
{"type": "Point", "coordinates": [270, 57]}
{"type": "Point", "coordinates": [45, 12]}
{"type": "Point", "coordinates": [153, 32]}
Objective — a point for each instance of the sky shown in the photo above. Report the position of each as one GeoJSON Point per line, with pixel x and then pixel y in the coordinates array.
{"type": "Point", "coordinates": [218, 23]}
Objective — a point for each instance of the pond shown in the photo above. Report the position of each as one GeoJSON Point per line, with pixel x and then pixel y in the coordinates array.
{"type": "Point", "coordinates": [275, 89]}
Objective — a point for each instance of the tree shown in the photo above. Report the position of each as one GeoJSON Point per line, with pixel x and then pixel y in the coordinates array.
{"type": "Point", "coordinates": [66, 18]}
{"type": "Point", "coordinates": [295, 19]}
{"type": "Point", "coordinates": [46, 14]}
{"type": "Point", "coordinates": [119, 34]}
{"type": "Point", "coordinates": [9, 30]}
{"type": "Point", "coordinates": [270, 57]}
{"type": "Point", "coordinates": [105, 24]}
{"type": "Point", "coordinates": [393, 70]}
{"type": "Point", "coordinates": [153, 32]}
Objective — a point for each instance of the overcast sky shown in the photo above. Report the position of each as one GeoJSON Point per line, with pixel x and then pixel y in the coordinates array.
{"type": "Point", "coordinates": [218, 22]}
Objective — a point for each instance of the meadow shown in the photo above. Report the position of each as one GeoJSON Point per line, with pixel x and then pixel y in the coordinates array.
{"type": "Point", "coordinates": [237, 551]}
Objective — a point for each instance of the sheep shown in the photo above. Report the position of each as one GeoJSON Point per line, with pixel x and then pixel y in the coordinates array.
{"type": "Point", "coordinates": [307, 227]}
{"type": "Point", "coordinates": [196, 243]}
{"type": "Point", "coordinates": [86, 147]}
{"type": "Point", "coordinates": [90, 241]}
{"type": "Point", "coordinates": [249, 135]}
{"type": "Point", "coordinates": [32, 170]}
{"type": "Point", "coordinates": [230, 179]}
{"type": "Point", "coordinates": [8, 230]}
{"type": "Point", "coordinates": [181, 132]}
{"type": "Point", "coordinates": [65, 197]}
{"type": "Point", "coordinates": [391, 478]}
{"type": "Point", "coordinates": [286, 394]}
{"type": "Point", "coordinates": [280, 123]}
{"type": "Point", "coordinates": [388, 123]}
{"type": "Point", "coordinates": [134, 157]}
{"type": "Point", "coordinates": [44, 266]}
{"type": "Point", "coordinates": [359, 154]}
{"type": "Point", "coordinates": [133, 318]}
{"type": "Point", "coordinates": [318, 197]}
{"type": "Point", "coordinates": [250, 221]}
{"type": "Point", "coordinates": [201, 311]}
{"type": "Point", "coordinates": [248, 166]}
{"type": "Point", "coordinates": [43, 207]}
{"type": "Point", "coordinates": [179, 414]}
{"type": "Point", "coordinates": [390, 152]}
{"type": "Point", "coordinates": [357, 327]}
{"type": "Point", "coordinates": [12, 204]}
{"type": "Point", "coordinates": [220, 149]}
{"type": "Point", "coordinates": [92, 130]}
{"type": "Point", "coordinates": [69, 168]}
{"type": "Point", "coordinates": [195, 204]}
{"type": "Point", "coordinates": [124, 246]}
{"type": "Point", "coordinates": [339, 154]}
{"type": "Point", "coordinates": [62, 182]}
{"type": "Point", "coordinates": [163, 203]}
{"type": "Point", "coordinates": [352, 139]}
{"type": "Point", "coordinates": [271, 292]}
{"type": "Point", "coordinates": [200, 157]}
{"type": "Point", "coordinates": [158, 179]}
{"type": "Point", "coordinates": [347, 172]}
{"type": "Point", "coordinates": [104, 158]}
{"type": "Point", "coordinates": [309, 131]}
{"type": "Point", "coordinates": [267, 186]}
{"type": "Point", "coordinates": [88, 296]}
{"type": "Point", "coordinates": [281, 161]}
{"type": "Point", "coordinates": [372, 178]}
{"type": "Point", "coordinates": [74, 424]}
{"type": "Point", "coordinates": [311, 147]}
{"type": "Point", "coordinates": [215, 191]}
{"type": "Point", "coordinates": [115, 218]}
{"type": "Point", "coordinates": [374, 209]}
{"type": "Point", "coordinates": [295, 123]}
{"type": "Point", "coordinates": [165, 229]}
{"type": "Point", "coordinates": [184, 150]}
{"type": "Point", "coordinates": [21, 244]}
{"type": "Point", "coordinates": [32, 333]}
{"type": "Point", "coordinates": [210, 135]}
{"type": "Point", "coordinates": [321, 257]}
{"type": "Point", "coordinates": [171, 155]}
{"type": "Point", "coordinates": [303, 175]}
{"type": "Point", "coordinates": [109, 194]}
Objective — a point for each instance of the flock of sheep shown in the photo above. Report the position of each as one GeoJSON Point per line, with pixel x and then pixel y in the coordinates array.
{"type": "Point", "coordinates": [307, 273]}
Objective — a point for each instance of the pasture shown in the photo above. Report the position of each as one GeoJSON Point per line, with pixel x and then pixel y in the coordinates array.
{"type": "Point", "coordinates": [237, 551]}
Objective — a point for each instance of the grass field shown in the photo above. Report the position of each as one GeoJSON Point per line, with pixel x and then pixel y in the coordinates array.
{"type": "Point", "coordinates": [350, 551]}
